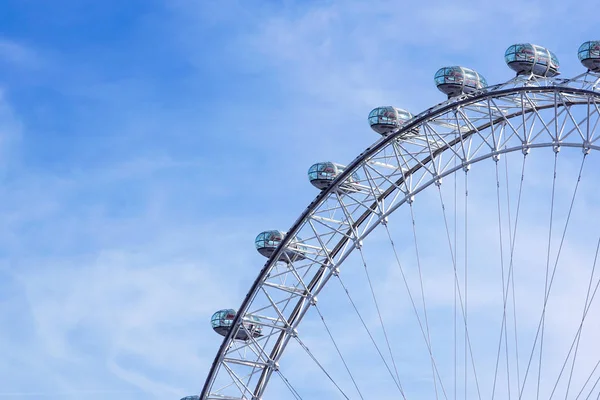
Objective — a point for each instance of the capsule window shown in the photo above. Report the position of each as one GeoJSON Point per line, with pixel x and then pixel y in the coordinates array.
{"type": "Point", "coordinates": [589, 50]}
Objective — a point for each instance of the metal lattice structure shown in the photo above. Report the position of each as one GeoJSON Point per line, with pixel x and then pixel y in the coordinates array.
{"type": "Point", "coordinates": [521, 115]}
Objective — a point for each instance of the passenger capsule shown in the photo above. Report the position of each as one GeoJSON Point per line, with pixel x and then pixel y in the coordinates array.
{"type": "Point", "coordinates": [458, 80]}
{"type": "Point", "coordinates": [388, 119]}
{"type": "Point", "coordinates": [527, 58]}
{"type": "Point", "coordinates": [222, 321]}
{"type": "Point", "coordinates": [589, 55]}
{"type": "Point", "coordinates": [322, 174]}
{"type": "Point", "coordinates": [268, 241]}
{"type": "Point", "coordinates": [195, 397]}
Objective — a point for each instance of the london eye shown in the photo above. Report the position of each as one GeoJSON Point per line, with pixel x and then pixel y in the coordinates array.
{"type": "Point", "coordinates": [455, 257]}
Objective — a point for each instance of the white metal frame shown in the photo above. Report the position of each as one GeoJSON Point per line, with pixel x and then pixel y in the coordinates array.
{"type": "Point", "coordinates": [521, 114]}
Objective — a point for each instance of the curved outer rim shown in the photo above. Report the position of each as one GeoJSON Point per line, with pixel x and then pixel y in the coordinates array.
{"type": "Point", "coordinates": [425, 116]}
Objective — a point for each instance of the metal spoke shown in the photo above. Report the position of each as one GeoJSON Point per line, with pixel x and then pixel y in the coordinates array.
{"type": "Point", "coordinates": [414, 307]}
{"type": "Point", "coordinates": [588, 380]}
{"type": "Point", "coordinates": [468, 349]}
{"type": "Point", "coordinates": [546, 279]}
{"type": "Point", "coordinates": [414, 229]}
{"type": "Point", "coordinates": [385, 335]}
{"type": "Point", "coordinates": [398, 385]}
{"type": "Point", "coordinates": [375, 302]}
{"type": "Point", "coordinates": [503, 329]}
{"type": "Point", "coordinates": [456, 282]}
{"type": "Point", "coordinates": [312, 356]}
{"type": "Point", "coordinates": [576, 339]}
{"type": "Point", "coordinates": [587, 305]}
{"type": "Point", "coordinates": [512, 238]}
{"type": "Point", "coordinates": [289, 385]}
{"type": "Point", "coordinates": [549, 286]}
{"type": "Point", "coordinates": [339, 352]}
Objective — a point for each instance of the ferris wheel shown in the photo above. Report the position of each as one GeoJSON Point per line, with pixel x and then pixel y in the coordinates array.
{"type": "Point", "coordinates": [456, 257]}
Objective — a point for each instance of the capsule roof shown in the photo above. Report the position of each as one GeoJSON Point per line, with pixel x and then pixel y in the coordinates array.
{"type": "Point", "coordinates": [322, 174]}
{"type": "Point", "coordinates": [457, 80]}
{"type": "Point", "coordinates": [589, 55]}
{"type": "Point", "coordinates": [195, 397]}
{"type": "Point", "coordinates": [527, 58]}
{"type": "Point", "coordinates": [387, 119]}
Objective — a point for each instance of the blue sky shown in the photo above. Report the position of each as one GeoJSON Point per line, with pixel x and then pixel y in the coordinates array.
{"type": "Point", "coordinates": [144, 144]}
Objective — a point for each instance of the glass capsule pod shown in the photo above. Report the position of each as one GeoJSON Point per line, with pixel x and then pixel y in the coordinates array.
{"type": "Point", "coordinates": [527, 58]}
{"type": "Point", "coordinates": [589, 55]}
{"type": "Point", "coordinates": [322, 174]}
{"type": "Point", "coordinates": [457, 80]}
{"type": "Point", "coordinates": [195, 397]}
{"type": "Point", "coordinates": [268, 241]}
{"type": "Point", "coordinates": [387, 119]}
{"type": "Point", "coordinates": [222, 321]}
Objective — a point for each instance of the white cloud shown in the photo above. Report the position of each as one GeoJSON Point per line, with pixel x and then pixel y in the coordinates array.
{"type": "Point", "coordinates": [95, 311]}
{"type": "Point", "coordinates": [17, 53]}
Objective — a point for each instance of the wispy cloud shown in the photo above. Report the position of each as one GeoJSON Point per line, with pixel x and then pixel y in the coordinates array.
{"type": "Point", "coordinates": [152, 145]}
{"type": "Point", "coordinates": [18, 54]}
